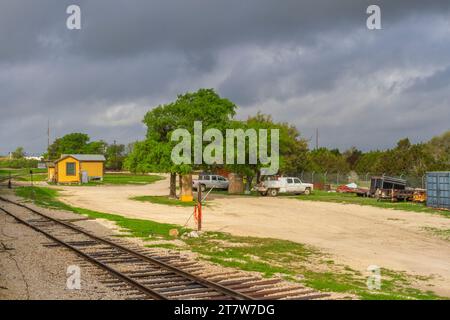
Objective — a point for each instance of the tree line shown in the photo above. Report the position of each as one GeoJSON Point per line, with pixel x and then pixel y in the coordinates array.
{"type": "Point", "coordinates": [153, 153]}
{"type": "Point", "coordinates": [80, 143]}
{"type": "Point", "coordinates": [404, 159]}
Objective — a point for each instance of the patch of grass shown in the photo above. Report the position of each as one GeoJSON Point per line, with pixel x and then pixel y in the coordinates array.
{"type": "Point", "coordinates": [165, 201]}
{"type": "Point", "coordinates": [24, 171]}
{"type": "Point", "coordinates": [225, 193]}
{"type": "Point", "coordinates": [348, 198]}
{"type": "Point", "coordinates": [293, 261]}
{"type": "Point", "coordinates": [289, 259]}
{"type": "Point", "coordinates": [441, 233]}
{"type": "Point", "coordinates": [122, 178]}
{"type": "Point", "coordinates": [144, 229]}
{"type": "Point", "coordinates": [47, 197]}
{"type": "Point", "coordinates": [36, 178]}
{"type": "Point", "coordinates": [44, 197]}
{"type": "Point", "coordinates": [264, 255]}
{"type": "Point", "coordinates": [24, 174]}
{"type": "Point", "coordinates": [251, 194]}
{"type": "Point", "coordinates": [164, 246]}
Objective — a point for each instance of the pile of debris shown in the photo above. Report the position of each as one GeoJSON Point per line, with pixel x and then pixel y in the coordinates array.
{"type": "Point", "coordinates": [351, 188]}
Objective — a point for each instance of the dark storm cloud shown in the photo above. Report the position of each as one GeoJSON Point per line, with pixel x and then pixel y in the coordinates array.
{"type": "Point", "coordinates": [312, 63]}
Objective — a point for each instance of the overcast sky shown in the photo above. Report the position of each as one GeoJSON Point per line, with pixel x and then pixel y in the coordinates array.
{"type": "Point", "coordinates": [311, 63]}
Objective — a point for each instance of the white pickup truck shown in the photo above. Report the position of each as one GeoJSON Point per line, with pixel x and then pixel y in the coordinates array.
{"type": "Point", "coordinates": [273, 185]}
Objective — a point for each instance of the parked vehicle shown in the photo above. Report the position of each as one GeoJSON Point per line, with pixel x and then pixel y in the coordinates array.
{"type": "Point", "coordinates": [208, 181]}
{"type": "Point", "coordinates": [274, 185]}
{"type": "Point", "coordinates": [389, 188]}
{"type": "Point", "coordinates": [385, 182]}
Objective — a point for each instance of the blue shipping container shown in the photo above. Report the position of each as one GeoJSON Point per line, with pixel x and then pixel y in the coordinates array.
{"type": "Point", "coordinates": [438, 189]}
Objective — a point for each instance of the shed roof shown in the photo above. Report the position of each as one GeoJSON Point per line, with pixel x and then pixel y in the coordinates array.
{"type": "Point", "coordinates": [84, 157]}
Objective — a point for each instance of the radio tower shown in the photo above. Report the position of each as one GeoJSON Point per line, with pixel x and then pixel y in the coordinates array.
{"type": "Point", "coordinates": [317, 138]}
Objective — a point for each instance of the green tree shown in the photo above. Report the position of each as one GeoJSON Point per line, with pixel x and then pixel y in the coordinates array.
{"type": "Point", "coordinates": [325, 160]}
{"type": "Point", "coordinates": [405, 159]}
{"type": "Point", "coordinates": [95, 147]}
{"type": "Point", "coordinates": [292, 147]}
{"type": "Point", "coordinates": [19, 153]}
{"type": "Point", "coordinates": [352, 156]}
{"type": "Point", "coordinates": [368, 162]}
{"type": "Point", "coordinates": [154, 154]}
{"type": "Point", "coordinates": [115, 154]}
{"type": "Point", "coordinates": [439, 149]}
{"type": "Point", "coordinates": [75, 143]}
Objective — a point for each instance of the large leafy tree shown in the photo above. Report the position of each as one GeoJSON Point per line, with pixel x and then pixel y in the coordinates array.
{"type": "Point", "coordinates": [292, 147]}
{"type": "Point", "coordinates": [154, 154]}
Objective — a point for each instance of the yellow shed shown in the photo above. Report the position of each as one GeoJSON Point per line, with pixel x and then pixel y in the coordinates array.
{"type": "Point", "coordinates": [79, 168]}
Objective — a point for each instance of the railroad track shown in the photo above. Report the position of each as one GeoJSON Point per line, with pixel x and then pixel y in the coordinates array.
{"type": "Point", "coordinates": [146, 275]}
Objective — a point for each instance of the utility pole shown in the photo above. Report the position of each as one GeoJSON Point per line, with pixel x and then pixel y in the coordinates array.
{"type": "Point", "coordinates": [115, 156]}
{"type": "Point", "coordinates": [317, 138]}
{"type": "Point", "coordinates": [48, 139]}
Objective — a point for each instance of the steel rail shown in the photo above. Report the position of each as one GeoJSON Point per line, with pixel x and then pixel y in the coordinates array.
{"type": "Point", "coordinates": [135, 284]}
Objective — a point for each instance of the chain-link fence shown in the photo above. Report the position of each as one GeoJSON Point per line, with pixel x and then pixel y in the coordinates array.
{"type": "Point", "coordinates": [361, 179]}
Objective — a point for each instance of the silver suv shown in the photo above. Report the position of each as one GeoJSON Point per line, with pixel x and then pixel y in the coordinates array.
{"type": "Point", "coordinates": [208, 181]}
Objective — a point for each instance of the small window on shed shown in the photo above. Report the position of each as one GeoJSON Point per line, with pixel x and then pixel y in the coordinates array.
{"type": "Point", "coordinates": [70, 168]}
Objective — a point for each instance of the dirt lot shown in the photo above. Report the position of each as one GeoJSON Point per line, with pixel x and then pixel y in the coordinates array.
{"type": "Point", "coordinates": [355, 235]}
{"type": "Point", "coordinates": [34, 267]}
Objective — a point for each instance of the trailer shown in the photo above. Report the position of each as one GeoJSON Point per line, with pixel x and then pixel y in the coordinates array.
{"type": "Point", "coordinates": [389, 188]}
{"type": "Point", "coordinates": [438, 189]}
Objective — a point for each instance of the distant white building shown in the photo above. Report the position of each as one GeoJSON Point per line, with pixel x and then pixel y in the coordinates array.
{"type": "Point", "coordinates": [28, 157]}
{"type": "Point", "coordinates": [38, 158]}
